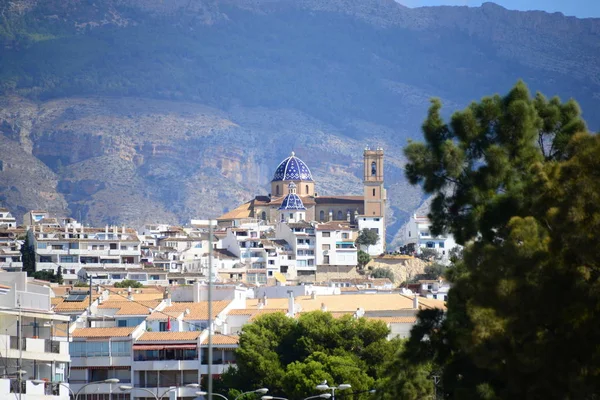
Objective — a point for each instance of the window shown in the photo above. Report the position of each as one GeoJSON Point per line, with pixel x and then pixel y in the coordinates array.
{"type": "Point", "coordinates": [283, 269]}
{"type": "Point", "coordinates": [122, 323]}
{"type": "Point", "coordinates": [277, 190]}
{"type": "Point", "coordinates": [441, 245]}
{"type": "Point", "coordinates": [264, 216]}
{"type": "Point", "coordinates": [291, 216]}
{"type": "Point", "coordinates": [325, 259]}
{"type": "Point", "coordinates": [154, 277]}
{"type": "Point", "coordinates": [162, 326]}
{"type": "Point", "coordinates": [340, 215]}
{"type": "Point", "coordinates": [430, 245]}
{"type": "Point", "coordinates": [73, 245]}
{"type": "Point", "coordinates": [326, 234]}
{"type": "Point", "coordinates": [45, 259]}
{"type": "Point", "coordinates": [120, 349]}
{"type": "Point", "coordinates": [373, 192]}
{"type": "Point", "coordinates": [57, 247]}
{"type": "Point", "coordinates": [41, 245]}
{"type": "Point", "coordinates": [345, 235]}
{"type": "Point", "coordinates": [68, 259]}
{"type": "Point", "coordinates": [373, 168]}
{"type": "Point", "coordinates": [307, 189]}
{"type": "Point", "coordinates": [282, 217]}
{"type": "Point", "coordinates": [113, 246]}
{"type": "Point", "coordinates": [322, 215]}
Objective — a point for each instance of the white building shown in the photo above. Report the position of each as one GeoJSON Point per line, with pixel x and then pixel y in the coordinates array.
{"type": "Point", "coordinates": [73, 246]}
{"type": "Point", "coordinates": [34, 341]}
{"type": "Point", "coordinates": [11, 240]}
{"type": "Point", "coordinates": [302, 241]}
{"type": "Point", "coordinates": [335, 242]}
{"type": "Point", "coordinates": [418, 234]}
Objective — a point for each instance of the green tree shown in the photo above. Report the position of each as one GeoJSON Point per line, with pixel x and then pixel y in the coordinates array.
{"type": "Point", "coordinates": [59, 275]}
{"type": "Point", "coordinates": [363, 258]}
{"type": "Point", "coordinates": [383, 273]}
{"type": "Point", "coordinates": [128, 283]}
{"type": "Point", "coordinates": [291, 356]}
{"type": "Point", "coordinates": [514, 178]}
{"type": "Point", "coordinates": [367, 237]}
{"type": "Point", "coordinates": [435, 271]}
{"type": "Point", "coordinates": [28, 256]}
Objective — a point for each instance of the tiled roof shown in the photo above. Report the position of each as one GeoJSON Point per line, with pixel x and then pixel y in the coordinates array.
{"type": "Point", "coordinates": [199, 310]}
{"type": "Point", "coordinates": [349, 303]}
{"type": "Point", "coordinates": [340, 199]}
{"type": "Point", "coordinates": [163, 316]}
{"type": "Point", "coordinates": [255, 312]}
{"type": "Point", "coordinates": [395, 320]}
{"type": "Point", "coordinates": [103, 332]}
{"type": "Point", "coordinates": [169, 336]}
{"type": "Point", "coordinates": [242, 211]}
{"type": "Point", "coordinates": [222, 339]}
{"type": "Point", "coordinates": [335, 225]}
{"type": "Point", "coordinates": [129, 307]}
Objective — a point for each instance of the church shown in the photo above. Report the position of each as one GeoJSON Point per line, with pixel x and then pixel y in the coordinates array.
{"type": "Point", "coordinates": [294, 198]}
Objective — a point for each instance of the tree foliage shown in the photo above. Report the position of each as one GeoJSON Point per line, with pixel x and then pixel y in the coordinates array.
{"type": "Point", "coordinates": [435, 271]}
{"type": "Point", "coordinates": [383, 273]}
{"type": "Point", "coordinates": [291, 356]}
{"type": "Point", "coordinates": [128, 283]}
{"type": "Point", "coordinates": [363, 258]}
{"type": "Point", "coordinates": [516, 178]}
{"type": "Point", "coordinates": [367, 237]}
{"type": "Point", "coordinates": [28, 256]}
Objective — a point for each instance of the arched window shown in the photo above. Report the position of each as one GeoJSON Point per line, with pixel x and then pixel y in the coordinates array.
{"type": "Point", "coordinates": [264, 216]}
{"type": "Point", "coordinates": [307, 190]}
{"type": "Point", "coordinates": [340, 215]}
{"type": "Point", "coordinates": [282, 217]}
{"type": "Point", "coordinates": [322, 215]}
{"type": "Point", "coordinates": [276, 190]}
{"type": "Point", "coordinates": [373, 168]}
{"type": "Point", "coordinates": [373, 192]}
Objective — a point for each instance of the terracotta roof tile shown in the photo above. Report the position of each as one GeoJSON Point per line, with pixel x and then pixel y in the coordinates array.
{"type": "Point", "coordinates": [103, 332]}
{"type": "Point", "coordinates": [199, 310]}
{"type": "Point", "coordinates": [160, 315]}
{"type": "Point", "coordinates": [223, 339]}
{"type": "Point", "coordinates": [395, 320]}
{"type": "Point", "coordinates": [169, 336]}
{"type": "Point", "coordinates": [129, 307]}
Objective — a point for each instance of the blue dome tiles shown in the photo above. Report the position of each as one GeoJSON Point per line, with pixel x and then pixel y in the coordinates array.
{"type": "Point", "coordinates": [292, 202]}
{"type": "Point", "coordinates": [292, 169]}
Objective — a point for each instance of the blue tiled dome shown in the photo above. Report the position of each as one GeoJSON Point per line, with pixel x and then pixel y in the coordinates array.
{"type": "Point", "coordinates": [292, 169]}
{"type": "Point", "coordinates": [292, 202]}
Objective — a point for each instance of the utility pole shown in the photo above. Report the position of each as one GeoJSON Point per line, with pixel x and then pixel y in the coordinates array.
{"type": "Point", "coordinates": [90, 304]}
{"type": "Point", "coordinates": [210, 321]}
{"type": "Point", "coordinates": [19, 338]}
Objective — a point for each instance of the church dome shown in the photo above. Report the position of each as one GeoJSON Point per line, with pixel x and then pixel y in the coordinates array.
{"type": "Point", "coordinates": [292, 202]}
{"type": "Point", "coordinates": [292, 169]}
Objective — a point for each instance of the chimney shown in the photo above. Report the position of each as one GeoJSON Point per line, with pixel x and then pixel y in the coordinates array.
{"type": "Point", "coordinates": [323, 307]}
{"type": "Point", "coordinates": [129, 295]}
{"type": "Point", "coordinates": [291, 307]}
{"type": "Point", "coordinates": [313, 295]}
{"type": "Point", "coordinates": [416, 302]}
{"type": "Point", "coordinates": [167, 297]}
{"type": "Point", "coordinates": [265, 298]}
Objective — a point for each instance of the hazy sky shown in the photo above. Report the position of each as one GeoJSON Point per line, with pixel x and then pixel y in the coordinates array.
{"type": "Point", "coordinates": [578, 8]}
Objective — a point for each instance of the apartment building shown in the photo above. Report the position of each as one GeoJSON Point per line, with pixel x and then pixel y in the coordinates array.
{"type": "Point", "coordinates": [302, 241]}
{"type": "Point", "coordinates": [72, 246]}
{"type": "Point", "coordinates": [11, 240]}
{"type": "Point", "coordinates": [33, 341]}
{"type": "Point", "coordinates": [418, 234]}
{"type": "Point", "coordinates": [335, 243]}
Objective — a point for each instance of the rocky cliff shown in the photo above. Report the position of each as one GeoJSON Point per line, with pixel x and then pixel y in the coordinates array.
{"type": "Point", "coordinates": [130, 111]}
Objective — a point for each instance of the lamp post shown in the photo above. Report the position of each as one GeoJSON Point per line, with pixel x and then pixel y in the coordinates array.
{"type": "Point", "coordinates": [257, 391]}
{"type": "Point", "coordinates": [126, 388]}
{"type": "Point", "coordinates": [214, 394]}
{"type": "Point", "coordinates": [109, 381]}
{"type": "Point", "coordinates": [324, 386]}
{"type": "Point", "coordinates": [272, 398]}
{"type": "Point", "coordinates": [65, 385]}
{"type": "Point", "coordinates": [319, 396]}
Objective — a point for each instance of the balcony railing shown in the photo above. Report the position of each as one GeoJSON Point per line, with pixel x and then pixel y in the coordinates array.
{"type": "Point", "coordinates": [14, 343]}
{"type": "Point", "coordinates": [51, 346]}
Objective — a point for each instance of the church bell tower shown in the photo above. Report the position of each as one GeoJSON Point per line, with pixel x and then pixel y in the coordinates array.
{"type": "Point", "coordinates": [374, 197]}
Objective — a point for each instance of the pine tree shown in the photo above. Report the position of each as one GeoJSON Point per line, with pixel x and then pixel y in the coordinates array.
{"type": "Point", "coordinates": [515, 179]}
{"type": "Point", "coordinates": [28, 256]}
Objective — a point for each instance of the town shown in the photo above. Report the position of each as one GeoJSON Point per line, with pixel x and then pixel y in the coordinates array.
{"type": "Point", "coordinates": [118, 312]}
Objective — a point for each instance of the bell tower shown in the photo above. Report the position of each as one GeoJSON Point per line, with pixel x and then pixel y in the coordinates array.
{"type": "Point", "coordinates": [373, 183]}
{"type": "Point", "coordinates": [374, 198]}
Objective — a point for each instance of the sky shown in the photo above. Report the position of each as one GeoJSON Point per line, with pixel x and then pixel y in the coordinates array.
{"type": "Point", "coordinates": [578, 8]}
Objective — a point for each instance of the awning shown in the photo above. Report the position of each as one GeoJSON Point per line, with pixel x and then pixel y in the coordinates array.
{"type": "Point", "coordinates": [39, 315]}
{"type": "Point", "coordinates": [164, 346]}
{"type": "Point", "coordinates": [97, 367]}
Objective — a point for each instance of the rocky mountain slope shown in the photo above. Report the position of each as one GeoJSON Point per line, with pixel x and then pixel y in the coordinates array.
{"type": "Point", "coordinates": [127, 111]}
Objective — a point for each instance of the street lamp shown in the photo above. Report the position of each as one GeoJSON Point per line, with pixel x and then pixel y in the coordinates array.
{"type": "Point", "coordinates": [257, 391]}
{"type": "Point", "coordinates": [109, 381]}
{"type": "Point", "coordinates": [126, 388]}
{"type": "Point", "coordinates": [214, 394]}
{"type": "Point", "coordinates": [325, 386]}
{"type": "Point", "coordinates": [320, 396]}
{"type": "Point", "coordinates": [272, 398]}
{"type": "Point", "coordinates": [65, 385]}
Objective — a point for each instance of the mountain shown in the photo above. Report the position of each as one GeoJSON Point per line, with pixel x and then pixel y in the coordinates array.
{"type": "Point", "coordinates": [131, 111]}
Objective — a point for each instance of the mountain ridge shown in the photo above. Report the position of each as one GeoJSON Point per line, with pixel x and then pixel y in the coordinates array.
{"type": "Point", "coordinates": [145, 110]}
